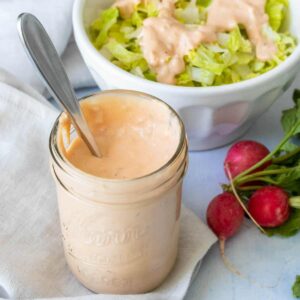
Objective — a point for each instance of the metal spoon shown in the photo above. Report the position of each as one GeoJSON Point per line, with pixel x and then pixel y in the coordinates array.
{"type": "Point", "coordinates": [45, 57]}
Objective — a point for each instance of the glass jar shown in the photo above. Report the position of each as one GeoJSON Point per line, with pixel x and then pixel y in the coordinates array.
{"type": "Point", "coordinates": [119, 236]}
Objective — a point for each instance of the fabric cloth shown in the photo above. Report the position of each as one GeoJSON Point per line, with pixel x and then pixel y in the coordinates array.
{"type": "Point", "coordinates": [56, 16]}
{"type": "Point", "coordinates": [32, 263]}
{"type": "Point", "coordinates": [31, 255]}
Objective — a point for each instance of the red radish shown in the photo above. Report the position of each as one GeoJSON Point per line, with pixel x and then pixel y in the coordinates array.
{"type": "Point", "coordinates": [269, 206]}
{"type": "Point", "coordinates": [243, 155]}
{"type": "Point", "coordinates": [225, 216]}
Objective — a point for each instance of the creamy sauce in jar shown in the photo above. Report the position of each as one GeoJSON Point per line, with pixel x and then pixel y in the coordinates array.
{"type": "Point", "coordinates": [121, 236]}
{"type": "Point", "coordinates": [135, 137]}
{"type": "Point", "coordinates": [165, 41]}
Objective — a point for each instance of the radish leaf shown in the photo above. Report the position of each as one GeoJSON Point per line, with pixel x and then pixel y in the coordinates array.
{"type": "Point", "coordinates": [289, 180]}
{"type": "Point", "coordinates": [289, 120]}
{"type": "Point", "coordinates": [288, 229]}
{"type": "Point", "coordinates": [296, 287]}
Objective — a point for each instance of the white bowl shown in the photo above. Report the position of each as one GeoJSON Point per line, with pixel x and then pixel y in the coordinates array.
{"type": "Point", "coordinates": [213, 116]}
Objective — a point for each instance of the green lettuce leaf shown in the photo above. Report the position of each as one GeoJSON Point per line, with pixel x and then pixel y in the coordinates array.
{"type": "Point", "coordinates": [203, 76]}
{"type": "Point", "coordinates": [204, 58]}
{"type": "Point", "coordinates": [190, 14]}
{"type": "Point", "coordinates": [101, 26]}
{"type": "Point", "coordinates": [235, 40]}
{"type": "Point", "coordinates": [126, 57]}
{"type": "Point", "coordinates": [276, 10]}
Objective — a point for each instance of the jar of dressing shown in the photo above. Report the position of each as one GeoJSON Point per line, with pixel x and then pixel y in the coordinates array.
{"type": "Point", "coordinates": [120, 213]}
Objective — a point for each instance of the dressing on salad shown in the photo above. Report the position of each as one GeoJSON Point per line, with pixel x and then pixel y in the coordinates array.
{"type": "Point", "coordinates": [165, 41]}
{"type": "Point", "coordinates": [225, 15]}
{"type": "Point", "coordinates": [194, 42]}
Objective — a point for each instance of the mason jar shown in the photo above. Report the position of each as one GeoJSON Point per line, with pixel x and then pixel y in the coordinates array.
{"type": "Point", "coordinates": [120, 235]}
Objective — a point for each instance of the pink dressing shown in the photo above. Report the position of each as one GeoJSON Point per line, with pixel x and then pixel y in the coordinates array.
{"type": "Point", "coordinates": [165, 41]}
{"type": "Point", "coordinates": [225, 15]}
{"type": "Point", "coordinates": [136, 137]}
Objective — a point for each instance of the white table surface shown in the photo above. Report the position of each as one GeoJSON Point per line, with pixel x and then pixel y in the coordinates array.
{"type": "Point", "coordinates": [270, 264]}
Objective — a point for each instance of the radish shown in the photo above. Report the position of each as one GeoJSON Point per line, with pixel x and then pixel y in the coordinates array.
{"type": "Point", "coordinates": [225, 216]}
{"type": "Point", "coordinates": [243, 155]}
{"type": "Point", "coordinates": [269, 206]}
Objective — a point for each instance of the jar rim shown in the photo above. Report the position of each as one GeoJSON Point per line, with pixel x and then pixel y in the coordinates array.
{"type": "Point", "coordinates": [61, 161]}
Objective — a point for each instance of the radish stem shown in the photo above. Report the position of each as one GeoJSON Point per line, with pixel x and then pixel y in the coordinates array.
{"type": "Point", "coordinates": [267, 180]}
{"type": "Point", "coordinates": [271, 154]}
{"type": "Point", "coordinates": [249, 188]}
{"type": "Point", "coordinates": [295, 202]}
{"type": "Point", "coordinates": [263, 173]}
{"type": "Point", "coordinates": [241, 202]}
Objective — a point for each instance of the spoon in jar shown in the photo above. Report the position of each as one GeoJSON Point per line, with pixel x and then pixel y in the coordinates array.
{"type": "Point", "coordinates": [45, 57]}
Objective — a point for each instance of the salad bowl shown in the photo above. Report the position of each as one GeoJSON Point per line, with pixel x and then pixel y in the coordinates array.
{"type": "Point", "coordinates": [213, 116]}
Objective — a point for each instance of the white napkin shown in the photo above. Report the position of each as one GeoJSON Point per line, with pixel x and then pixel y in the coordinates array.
{"type": "Point", "coordinates": [55, 15]}
{"type": "Point", "coordinates": [32, 263]}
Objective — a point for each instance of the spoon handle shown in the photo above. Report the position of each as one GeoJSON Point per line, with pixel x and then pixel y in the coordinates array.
{"type": "Point", "coordinates": [45, 57]}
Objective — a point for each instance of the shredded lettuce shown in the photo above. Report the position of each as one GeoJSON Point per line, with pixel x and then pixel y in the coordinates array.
{"type": "Point", "coordinates": [190, 14]}
{"type": "Point", "coordinates": [101, 26]}
{"type": "Point", "coordinates": [121, 53]}
{"type": "Point", "coordinates": [276, 10]}
{"type": "Point", "coordinates": [231, 59]}
{"type": "Point", "coordinates": [234, 42]}
{"type": "Point", "coordinates": [206, 59]}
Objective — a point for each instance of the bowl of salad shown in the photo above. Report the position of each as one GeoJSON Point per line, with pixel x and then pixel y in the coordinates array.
{"type": "Point", "coordinates": [219, 63]}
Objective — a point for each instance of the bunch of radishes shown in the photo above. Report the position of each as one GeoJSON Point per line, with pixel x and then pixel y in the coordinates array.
{"type": "Point", "coordinates": [262, 184]}
{"type": "Point", "coordinates": [267, 205]}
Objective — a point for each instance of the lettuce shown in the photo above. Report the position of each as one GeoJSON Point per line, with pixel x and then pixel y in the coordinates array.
{"type": "Point", "coordinates": [119, 52]}
{"type": "Point", "coordinates": [234, 42]}
{"type": "Point", "coordinates": [205, 77]}
{"type": "Point", "coordinates": [101, 26]}
{"type": "Point", "coordinates": [193, 76]}
{"type": "Point", "coordinates": [149, 9]}
{"type": "Point", "coordinates": [205, 59]}
{"type": "Point", "coordinates": [190, 14]}
{"type": "Point", "coordinates": [276, 10]}
{"type": "Point", "coordinates": [230, 59]}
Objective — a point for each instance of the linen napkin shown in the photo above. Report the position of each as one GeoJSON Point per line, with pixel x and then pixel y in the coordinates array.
{"type": "Point", "coordinates": [32, 263]}
{"type": "Point", "coordinates": [56, 16]}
